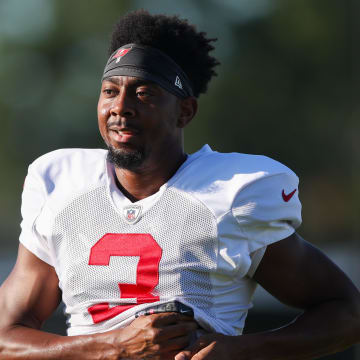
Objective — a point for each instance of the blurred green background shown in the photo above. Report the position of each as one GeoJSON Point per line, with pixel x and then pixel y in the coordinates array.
{"type": "Point", "coordinates": [287, 88]}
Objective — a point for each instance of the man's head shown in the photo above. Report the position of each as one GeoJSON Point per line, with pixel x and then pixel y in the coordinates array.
{"type": "Point", "coordinates": [157, 67]}
{"type": "Point", "coordinates": [175, 37]}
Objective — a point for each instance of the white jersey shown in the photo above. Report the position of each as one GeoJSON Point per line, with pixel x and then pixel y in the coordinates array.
{"type": "Point", "coordinates": [192, 241]}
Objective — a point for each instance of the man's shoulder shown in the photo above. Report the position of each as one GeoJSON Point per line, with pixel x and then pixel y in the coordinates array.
{"type": "Point", "coordinates": [218, 179]}
{"type": "Point", "coordinates": [69, 168]}
{"type": "Point", "coordinates": [247, 163]}
{"type": "Point", "coordinates": [61, 157]}
{"type": "Point", "coordinates": [222, 166]}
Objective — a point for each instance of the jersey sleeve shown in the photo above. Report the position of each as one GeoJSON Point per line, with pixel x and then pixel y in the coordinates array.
{"type": "Point", "coordinates": [268, 209]}
{"type": "Point", "coordinates": [33, 202]}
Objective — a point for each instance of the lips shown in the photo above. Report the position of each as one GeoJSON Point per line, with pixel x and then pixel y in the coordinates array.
{"type": "Point", "coordinates": [122, 135]}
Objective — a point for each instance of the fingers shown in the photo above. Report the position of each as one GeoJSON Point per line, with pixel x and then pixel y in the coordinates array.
{"type": "Point", "coordinates": [190, 351]}
{"type": "Point", "coordinates": [169, 340]}
{"type": "Point", "coordinates": [172, 322]}
{"type": "Point", "coordinates": [163, 333]}
{"type": "Point", "coordinates": [178, 343]}
{"type": "Point", "coordinates": [211, 347]}
{"type": "Point", "coordinates": [165, 326]}
{"type": "Point", "coordinates": [198, 350]}
{"type": "Point", "coordinates": [168, 318]}
{"type": "Point", "coordinates": [184, 355]}
{"type": "Point", "coordinates": [180, 330]}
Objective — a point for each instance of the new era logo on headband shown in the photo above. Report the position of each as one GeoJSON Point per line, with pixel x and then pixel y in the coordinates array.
{"type": "Point", "coordinates": [120, 53]}
{"type": "Point", "coordinates": [178, 83]}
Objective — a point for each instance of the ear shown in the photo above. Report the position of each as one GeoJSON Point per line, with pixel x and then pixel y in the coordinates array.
{"type": "Point", "coordinates": [188, 109]}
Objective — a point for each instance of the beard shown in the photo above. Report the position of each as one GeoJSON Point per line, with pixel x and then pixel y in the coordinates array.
{"type": "Point", "coordinates": [126, 159]}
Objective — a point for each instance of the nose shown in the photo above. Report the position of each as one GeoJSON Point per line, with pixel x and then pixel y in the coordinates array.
{"type": "Point", "coordinates": [122, 105]}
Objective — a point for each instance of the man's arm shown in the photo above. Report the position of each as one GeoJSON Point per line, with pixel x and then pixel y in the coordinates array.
{"type": "Point", "coordinates": [301, 276]}
{"type": "Point", "coordinates": [30, 295]}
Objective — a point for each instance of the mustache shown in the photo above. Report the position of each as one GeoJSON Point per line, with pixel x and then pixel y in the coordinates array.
{"type": "Point", "coordinates": [121, 126]}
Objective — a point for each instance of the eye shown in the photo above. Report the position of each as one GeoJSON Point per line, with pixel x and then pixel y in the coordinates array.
{"type": "Point", "coordinates": [142, 93]}
{"type": "Point", "coordinates": [109, 92]}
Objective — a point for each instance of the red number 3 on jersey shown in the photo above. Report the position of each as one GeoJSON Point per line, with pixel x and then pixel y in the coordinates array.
{"type": "Point", "coordinates": [147, 273]}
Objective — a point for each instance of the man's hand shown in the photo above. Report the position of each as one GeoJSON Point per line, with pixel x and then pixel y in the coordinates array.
{"type": "Point", "coordinates": [157, 336]}
{"type": "Point", "coordinates": [211, 347]}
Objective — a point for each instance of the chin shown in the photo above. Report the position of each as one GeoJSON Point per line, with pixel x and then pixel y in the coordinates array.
{"type": "Point", "coordinates": [125, 157]}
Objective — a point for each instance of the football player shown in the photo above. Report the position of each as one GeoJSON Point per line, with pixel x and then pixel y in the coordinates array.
{"type": "Point", "coordinates": [156, 253]}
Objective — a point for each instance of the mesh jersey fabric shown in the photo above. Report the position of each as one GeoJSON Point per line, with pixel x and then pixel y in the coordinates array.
{"type": "Point", "coordinates": [193, 240]}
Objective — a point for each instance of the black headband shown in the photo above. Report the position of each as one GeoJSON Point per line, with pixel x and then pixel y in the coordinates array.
{"type": "Point", "coordinates": [150, 64]}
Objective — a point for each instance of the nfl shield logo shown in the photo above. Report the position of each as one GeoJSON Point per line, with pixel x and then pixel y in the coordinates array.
{"type": "Point", "coordinates": [132, 213]}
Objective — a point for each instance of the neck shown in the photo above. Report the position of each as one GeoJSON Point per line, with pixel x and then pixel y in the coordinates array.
{"type": "Point", "coordinates": [144, 182]}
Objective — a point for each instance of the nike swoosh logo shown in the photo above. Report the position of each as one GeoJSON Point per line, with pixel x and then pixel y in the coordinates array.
{"type": "Point", "coordinates": [287, 197]}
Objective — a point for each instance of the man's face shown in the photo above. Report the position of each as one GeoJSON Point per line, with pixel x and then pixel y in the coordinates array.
{"type": "Point", "coordinates": [138, 121]}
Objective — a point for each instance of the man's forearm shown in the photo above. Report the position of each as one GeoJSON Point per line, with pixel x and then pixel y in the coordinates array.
{"type": "Point", "coordinates": [156, 336]}
{"type": "Point", "coordinates": [311, 335]}
{"type": "Point", "coordinates": [20, 342]}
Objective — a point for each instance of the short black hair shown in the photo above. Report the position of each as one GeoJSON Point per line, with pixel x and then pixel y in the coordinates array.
{"type": "Point", "coordinates": [175, 37]}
